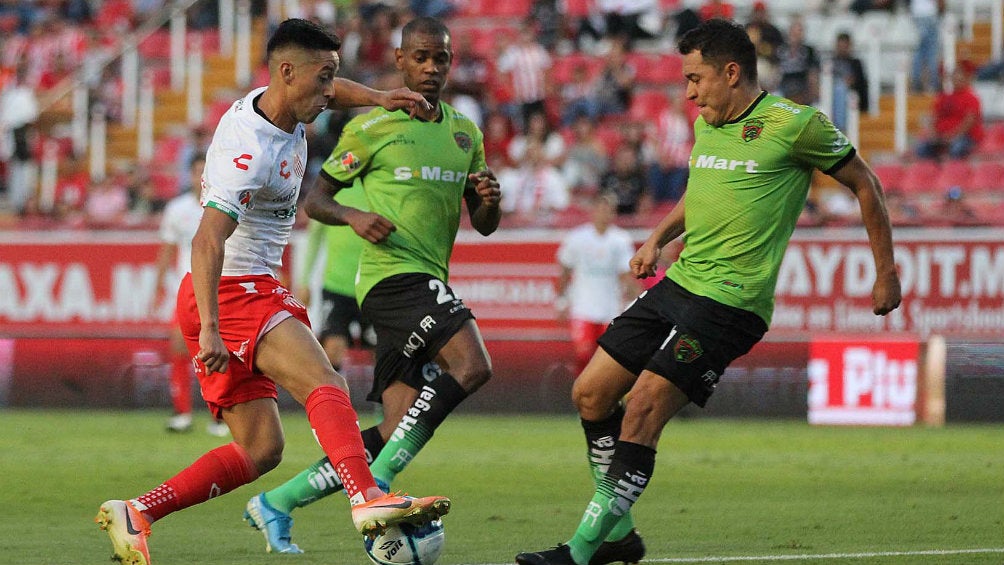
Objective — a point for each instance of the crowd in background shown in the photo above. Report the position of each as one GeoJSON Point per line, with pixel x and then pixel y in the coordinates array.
{"type": "Point", "coordinates": [556, 136]}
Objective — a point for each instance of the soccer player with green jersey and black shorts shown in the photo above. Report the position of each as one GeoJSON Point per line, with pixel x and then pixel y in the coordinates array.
{"type": "Point", "coordinates": [750, 169]}
{"type": "Point", "coordinates": [416, 176]}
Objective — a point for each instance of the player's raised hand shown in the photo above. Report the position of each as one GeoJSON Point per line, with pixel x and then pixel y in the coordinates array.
{"type": "Point", "coordinates": [374, 228]}
{"type": "Point", "coordinates": [212, 351]}
{"type": "Point", "coordinates": [415, 103]}
{"type": "Point", "coordinates": [487, 187]}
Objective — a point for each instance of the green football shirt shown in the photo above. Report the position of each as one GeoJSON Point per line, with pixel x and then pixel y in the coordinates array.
{"type": "Point", "coordinates": [748, 183]}
{"type": "Point", "coordinates": [342, 246]}
{"type": "Point", "coordinates": [414, 174]}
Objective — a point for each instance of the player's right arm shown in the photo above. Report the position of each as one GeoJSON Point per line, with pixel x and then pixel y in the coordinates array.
{"type": "Point", "coordinates": [207, 266]}
{"type": "Point", "coordinates": [646, 259]}
{"type": "Point", "coordinates": [321, 206]}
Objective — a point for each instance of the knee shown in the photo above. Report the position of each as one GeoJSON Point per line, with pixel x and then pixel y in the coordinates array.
{"type": "Point", "coordinates": [474, 377]}
{"type": "Point", "coordinates": [593, 403]}
{"type": "Point", "coordinates": [266, 457]}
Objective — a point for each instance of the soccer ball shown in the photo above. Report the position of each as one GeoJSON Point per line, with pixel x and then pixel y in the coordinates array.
{"type": "Point", "coordinates": [405, 544]}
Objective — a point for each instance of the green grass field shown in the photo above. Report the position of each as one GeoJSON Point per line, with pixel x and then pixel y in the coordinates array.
{"type": "Point", "coordinates": [724, 491]}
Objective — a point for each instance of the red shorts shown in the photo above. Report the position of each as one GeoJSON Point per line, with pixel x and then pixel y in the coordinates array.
{"type": "Point", "coordinates": [584, 336]}
{"type": "Point", "coordinates": [247, 304]}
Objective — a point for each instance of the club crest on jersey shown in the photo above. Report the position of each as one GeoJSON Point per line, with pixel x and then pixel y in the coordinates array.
{"type": "Point", "coordinates": [752, 129]}
{"type": "Point", "coordinates": [349, 161]}
{"type": "Point", "coordinates": [244, 198]}
{"type": "Point", "coordinates": [463, 141]}
{"type": "Point", "coordinates": [687, 349]}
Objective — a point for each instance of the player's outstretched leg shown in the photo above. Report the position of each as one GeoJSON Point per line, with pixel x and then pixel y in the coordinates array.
{"type": "Point", "coordinates": [128, 530]}
{"type": "Point", "coordinates": [622, 544]}
{"type": "Point", "coordinates": [273, 524]}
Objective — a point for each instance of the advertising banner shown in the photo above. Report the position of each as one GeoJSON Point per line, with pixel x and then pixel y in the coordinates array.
{"type": "Point", "coordinates": [864, 381]}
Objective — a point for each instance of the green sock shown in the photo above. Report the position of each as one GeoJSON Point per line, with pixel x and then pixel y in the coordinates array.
{"type": "Point", "coordinates": [318, 480]}
{"type": "Point", "coordinates": [600, 439]}
{"type": "Point", "coordinates": [314, 482]}
{"type": "Point", "coordinates": [624, 482]}
{"type": "Point", "coordinates": [435, 401]}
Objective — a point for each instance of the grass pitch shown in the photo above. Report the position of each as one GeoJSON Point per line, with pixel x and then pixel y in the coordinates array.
{"type": "Point", "coordinates": [724, 491]}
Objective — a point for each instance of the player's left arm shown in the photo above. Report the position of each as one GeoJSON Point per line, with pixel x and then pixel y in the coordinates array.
{"type": "Point", "coordinates": [351, 94]}
{"type": "Point", "coordinates": [856, 175]}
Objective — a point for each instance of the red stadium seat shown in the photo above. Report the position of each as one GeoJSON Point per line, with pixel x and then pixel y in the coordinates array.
{"type": "Point", "coordinates": [577, 8]}
{"type": "Point", "coordinates": [563, 68]}
{"type": "Point", "coordinates": [507, 8]}
{"type": "Point", "coordinates": [953, 173]}
{"type": "Point", "coordinates": [646, 105]}
{"type": "Point", "coordinates": [156, 46]}
{"type": "Point", "coordinates": [165, 185]}
{"type": "Point", "coordinates": [987, 177]}
{"type": "Point", "coordinates": [891, 176]}
{"type": "Point", "coordinates": [610, 136]}
{"type": "Point", "coordinates": [993, 140]}
{"type": "Point", "coordinates": [920, 177]}
{"type": "Point", "coordinates": [662, 70]}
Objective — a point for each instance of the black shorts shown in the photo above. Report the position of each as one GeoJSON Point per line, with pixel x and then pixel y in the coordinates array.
{"type": "Point", "coordinates": [414, 315]}
{"type": "Point", "coordinates": [686, 338]}
{"type": "Point", "coordinates": [342, 317]}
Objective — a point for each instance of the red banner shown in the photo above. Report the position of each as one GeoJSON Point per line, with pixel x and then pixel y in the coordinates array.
{"type": "Point", "coordinates": [863, 381]}
{"type": "Point", "coordinates": [102, 285]}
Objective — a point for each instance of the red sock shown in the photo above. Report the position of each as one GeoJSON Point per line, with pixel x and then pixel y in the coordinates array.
{"type": "Point", "coordinates": [181, 384]}
{"type": "Point", "coordinates": [336, 427]}
{"type": "Point", "coordinates": [217, 472]}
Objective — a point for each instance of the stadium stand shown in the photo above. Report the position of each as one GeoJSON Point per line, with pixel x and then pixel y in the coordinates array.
{"type": "Point", "coordinates": [485, 27]}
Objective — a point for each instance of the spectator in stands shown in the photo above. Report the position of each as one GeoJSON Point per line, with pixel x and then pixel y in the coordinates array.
{"type": "Point", "coordinates": [631, 21]}
{"type": "Point", "coordinates": [432, 8]}
{"type": "Point", "coordinates": [549, 22]}
{"type": "Point", "coordinates": [498, 135]}
{"type": "Point", "coordinates": [616, 82]}
{"type": "Point", "coordinates": [767, 39]}
{"type": "Point", "coordinates": [19, 111]}
{"type": "Point", "coordinates": [524, 66]}
{"type": "Point", "coordinates": [535, 189]}
{"type": "Point", "coordinates": [926, 59]}
{"type": "Point", "coordinates": [799, 66]}
{"type": "Point", "coordinates": [538, 131]}
{"type": "Point", "coordinates": [196, 143]}
{"type": "Point", "coordinates": [956, 119]}
{"type": "Point", "coordinates": [106, 204]}
{"type": "Point", "coordinates": [577, 96]}
{"type": "Point", "coordinates": [625, 181]}
{"type": "Point", "coordinates": [586, 158]}
{"type": "Point", "coordinates": [670, 143]}
{"type": "Point", "coordinates": [848, 76]}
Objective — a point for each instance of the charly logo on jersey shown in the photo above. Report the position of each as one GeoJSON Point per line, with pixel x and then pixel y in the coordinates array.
{"type": "Point", "coordinates": [349, 161]}
{"type": "Point", "coordinates": [840, 142]}
{"type": "Point", "coordinates": [430, 173]}
{"type": "Point", "coordinates": [752, 129]}
{"type": "Point", "coordinates": [463, 141]}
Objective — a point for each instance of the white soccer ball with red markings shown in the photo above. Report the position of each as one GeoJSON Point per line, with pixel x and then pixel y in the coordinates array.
{"type": "Point", "coordinates": [405, 544]}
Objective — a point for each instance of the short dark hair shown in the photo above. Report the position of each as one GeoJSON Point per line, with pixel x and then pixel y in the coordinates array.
{"type": "Point", "coordinates": [423, 26]}
{"type": "Point", "coordinates": [721, 42]}
{"type": "Point", "coordinates": [304, 34]}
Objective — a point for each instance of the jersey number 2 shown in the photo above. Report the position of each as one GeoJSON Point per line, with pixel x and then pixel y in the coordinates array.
{"type": "Point", "coordinates": [442, 297]}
